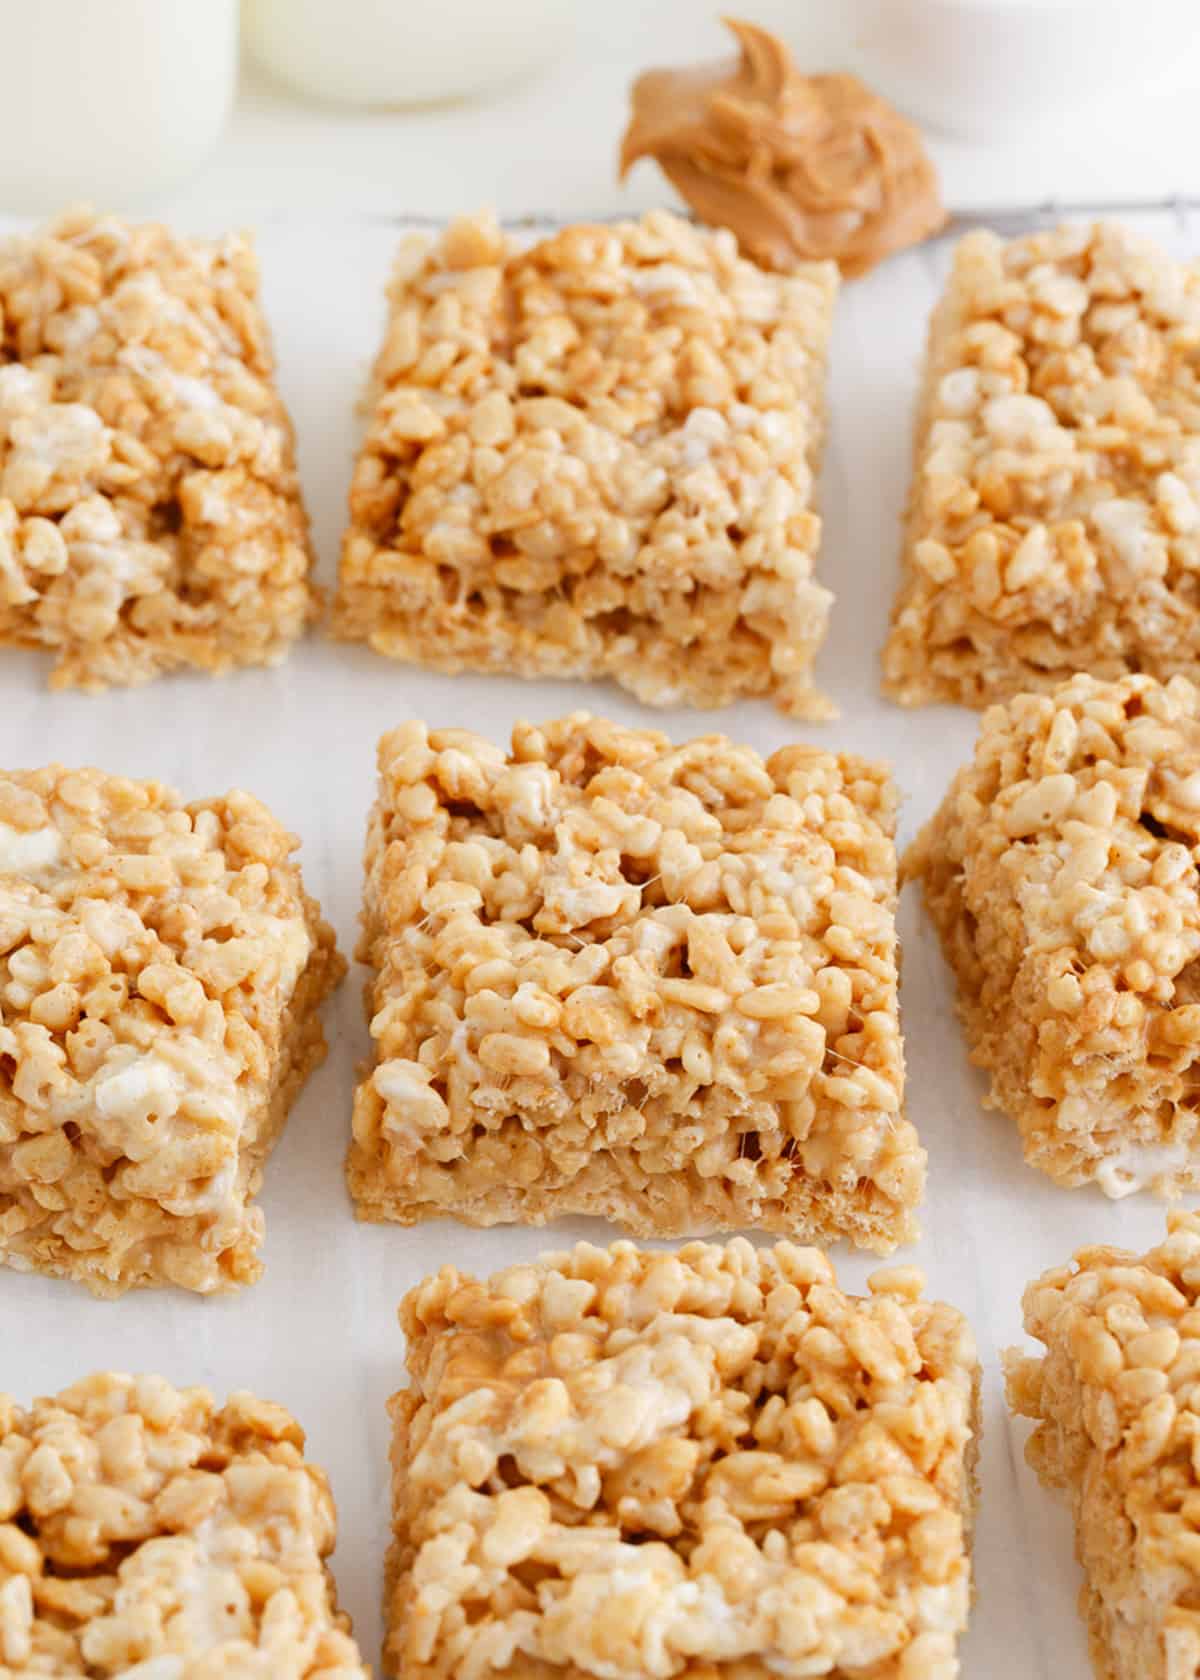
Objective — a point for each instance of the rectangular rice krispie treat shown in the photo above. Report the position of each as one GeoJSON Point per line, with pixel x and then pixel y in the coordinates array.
{"type": "Point", "coordinates": [148, 1534]}
{"type": "Point", "coordinates": [160, 971]}
{"type": "Point", "coordinates": [150, 512]}
{"type": "Point", "coordinates": [1061, 875]}
{"type": "Point", "coordinates": [618, 977]}
{"type": "Point", "coordinates": [596, 457]}
{"type": "Point", "coordinates": [630, 1465]}
{"type": "Point", "coordinates": [1116, 1406]}
{"type": "Point", "coordinates": [1054, 515]}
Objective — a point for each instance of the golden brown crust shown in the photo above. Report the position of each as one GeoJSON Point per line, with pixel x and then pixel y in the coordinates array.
{"type": "Point", "coordinates": [145, 1531]}
{"type": "Point", "coordinates": [150, 511]}
{"type": "Point", "coordinates": [161, 967]}
{"type": "Point", "coordinates": [801, 168]}
{"type": "Point", "coordinates": [1060, 875]}
{"type": "Point", "coordinates": [1054, 514]}
{"type": "Point", "coordinates": [622, 1464]}
{"type": "Point", "coordinates": [620, 977]}
{"type": "Point", "coordinates": [1116, 1409]}
{"type": "Point", "coordinates": [596, 457]}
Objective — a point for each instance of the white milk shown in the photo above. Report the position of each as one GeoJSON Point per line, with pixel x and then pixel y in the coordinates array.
{"type": "Point", "coordinates": [987, 69]}
{"type": "Point", "coordinates": [109, 100]}
{"type": "Point", "coordinates": [401, 52]}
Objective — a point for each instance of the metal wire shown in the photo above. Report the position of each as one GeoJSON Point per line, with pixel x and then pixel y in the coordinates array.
{"type": "Point", "coordinates": [1003, 218]}
{"type": "Point", "coordinates": [1051, 210]}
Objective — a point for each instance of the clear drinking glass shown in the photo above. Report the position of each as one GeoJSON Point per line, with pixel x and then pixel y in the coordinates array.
{"type": "Point", "coordinates": [109, 100]}
{"type": "Point", "coordinates": [401, 52]}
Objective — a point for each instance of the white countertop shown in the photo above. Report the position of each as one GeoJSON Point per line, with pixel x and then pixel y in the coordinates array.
{"type": "Point", "coordinates": [549, 141]}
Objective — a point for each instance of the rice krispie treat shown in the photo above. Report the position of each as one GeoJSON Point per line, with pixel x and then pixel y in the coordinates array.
{"type": "Point", "coordinates": [595, 457]}
{"type": "Point", "coordinates": [145, 1533]}
{"type": "Point", "coordinates": [1061, 874]}
{"type": "Point", "coordinates": [631, 1465]}
{"type": "Point", "coordinates": [1054, 516]}
{"type": "Point", "coordinates": [160, 971]}
{"type": "Point", "coordinates": [1117, 1413]}
{"type": "Point", "coordinates": [618, 977]}
{"type": "Point", "coordinates": [150, 513]}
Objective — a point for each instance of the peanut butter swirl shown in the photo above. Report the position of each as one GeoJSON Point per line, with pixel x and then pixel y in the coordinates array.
{"type": "Point", "coordinates": [798, 166]}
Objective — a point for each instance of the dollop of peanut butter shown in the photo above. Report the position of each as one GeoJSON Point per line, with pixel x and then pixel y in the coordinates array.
{"type": "Point", "coordinates": [798, 166]}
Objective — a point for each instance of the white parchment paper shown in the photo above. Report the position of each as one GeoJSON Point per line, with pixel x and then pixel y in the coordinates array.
{"type": "Point", "coordinates": [319, 1333]}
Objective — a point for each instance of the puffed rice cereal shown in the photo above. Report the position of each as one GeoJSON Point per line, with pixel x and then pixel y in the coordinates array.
{"type": "Point", "coordinates": [638, 1466]}
{"type": "Point", "coordinates": [1054, 515]}
{"type": "Point", "coordinates": [147, 1534]}
{"type": "Point", "coordinates": [150, 512]}
{"type": "Point", "coordinates": [620, 977]}
{"type": "Point", "coordinates": [1116, 1409]}
{"type": "Point", "coordinates": [160, 971]}
{"type": "Point", "coordinates": [1061, 874]}
{"type": "Point", "coordinates": [596, 457]}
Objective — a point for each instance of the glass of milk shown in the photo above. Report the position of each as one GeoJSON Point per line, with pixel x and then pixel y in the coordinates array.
{"type": "Point", "coordinates": [394, 52]}
{"type": "Point", "coordinates": [986, 69]}
{"type": "Point", "coordinates": [109, 100]}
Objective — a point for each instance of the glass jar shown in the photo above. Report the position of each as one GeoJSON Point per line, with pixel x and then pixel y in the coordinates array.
{"type": "Point", "coordinates": [110, 100]}
{"type": "Point", "coordinates": [401, 52]}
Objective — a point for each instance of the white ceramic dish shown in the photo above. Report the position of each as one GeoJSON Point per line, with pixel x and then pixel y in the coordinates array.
{"type": "Point", "coordinates": [988, 68]}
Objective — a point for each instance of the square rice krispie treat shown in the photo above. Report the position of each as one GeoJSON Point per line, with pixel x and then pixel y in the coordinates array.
{"type": "Point", "coordinates": [1054, 515]}
{"type": "Point", "coordinates": [596, 457]}
{"type": "Point", "coordinates": [1061, 874]}
{"type": "Point", "coordinates": [618, 977]}
{"type": "Point", "coordinates": [148, 1534]}
{"type": "Point", "coordinates": [150, 513]}
{"type": "Point", "coordinates": [631, 1465]}
{"type": "Point", "coordinates": [1117, 1412]}
{"type": "Point", "coordinates": [160, 971]}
